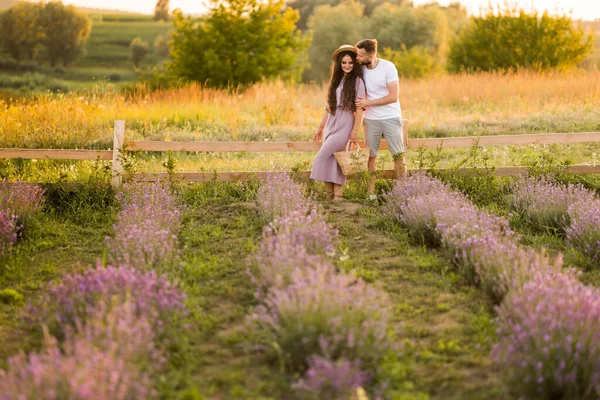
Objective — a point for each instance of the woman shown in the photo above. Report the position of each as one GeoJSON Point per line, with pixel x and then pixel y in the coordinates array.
{"type": "Point", "coordinates": [341, 120]}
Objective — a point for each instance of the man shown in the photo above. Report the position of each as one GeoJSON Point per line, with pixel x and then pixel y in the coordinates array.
{"type": "Point", "coordinates": [383, 116]}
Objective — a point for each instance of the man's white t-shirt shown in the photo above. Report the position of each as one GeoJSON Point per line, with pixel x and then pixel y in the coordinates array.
{"type": "Point", "coordinates": [376, 81]}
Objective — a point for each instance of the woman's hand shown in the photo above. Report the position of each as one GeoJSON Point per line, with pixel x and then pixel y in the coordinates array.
{"type": "Point", "coordinates": [318, 135]}
{"type": "Point", "coordinates": [354, 137]}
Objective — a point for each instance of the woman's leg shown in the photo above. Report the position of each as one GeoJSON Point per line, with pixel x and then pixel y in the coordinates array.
{"type": "Point", "coordinates": [329, 191]}
{"type": "Point", "coordinates": [338, 192]}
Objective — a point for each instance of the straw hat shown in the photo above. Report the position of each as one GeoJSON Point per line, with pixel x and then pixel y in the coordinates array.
{"type": "Point", "coordinates": [342, 48]}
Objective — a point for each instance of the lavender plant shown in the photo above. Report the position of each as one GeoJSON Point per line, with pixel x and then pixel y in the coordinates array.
{"type": "Point", "coordinates": [144, 237]}
{"type": "Point", "coordinates": [332, 379]}
{"type": "Point", "coordinates": [544, 203]}
{"type": "Point", "coordinates": [501, 265]}
{"type": "Point", "coordinates": [584, 230]}
{"type": "Point", "coordinates": [8, 230]}
{"type": "Point", "coordinates": [107, 359]}
{"type": "Point", "coordinates": [22, 199]}
{"type": "Point", "coordinates": [549, 339]}
{"type": "Point", "coordinates": [324, 314]}
{"type": "Point", "coordinates": [154, 297]}
{"type": "Point", "coordinates": [280, 195]}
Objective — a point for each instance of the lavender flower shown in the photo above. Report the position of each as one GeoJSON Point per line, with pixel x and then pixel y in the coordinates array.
{"type": "Point", "coordinates": [584, 231]}
{"type": "Point", "coordinates": [22, 199]}
{"type": "Point", "coordinates": [280, 195]}
{"type": "Point", "coordinates": [139, 194]}
{"type": "Point", "coordinates": [8, 230]}
{"type": "Point", "coordinates": [549, 339]}
{"type": "Point", "coordinates": [545, 203]}
{"type": "Point", "coordinates": [103, 360]}
{"type": "Point", "coordinates": [329, 379]}
{"type": "Point", "coordinates": [325, 314]}
{"type": "Point", "coordinates": [154, 297]}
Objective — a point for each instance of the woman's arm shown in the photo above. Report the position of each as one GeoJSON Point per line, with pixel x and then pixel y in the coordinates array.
{"type": "Point", "coordinates": [358, 117]}
{"type": "Point", "coordinates": [319, 134]}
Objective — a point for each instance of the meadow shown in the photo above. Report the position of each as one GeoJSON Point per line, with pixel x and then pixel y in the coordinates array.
{"type": "Point", "coordinates": [437, 322]}
{"type": "Point", "coordinates": [106, 58]}
{"type": "Point", "coordinates": [462, 105]}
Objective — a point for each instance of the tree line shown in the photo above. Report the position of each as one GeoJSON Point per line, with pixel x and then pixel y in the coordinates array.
{"type": "Point", "coordinates": [50, 32]}
{"type": "Point", "coordinates": [239, 42]}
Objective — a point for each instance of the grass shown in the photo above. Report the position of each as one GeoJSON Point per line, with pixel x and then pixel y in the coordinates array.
{"type": "Point", "coordinates": [447, 327]}
{"type": "Point", "coordinates": [484, 104]}
{"type": "Point", "coordinates": [68, 237]}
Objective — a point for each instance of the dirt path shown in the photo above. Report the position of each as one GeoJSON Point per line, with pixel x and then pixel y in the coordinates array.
{"type": "Point", "coordinates": [447, 325]}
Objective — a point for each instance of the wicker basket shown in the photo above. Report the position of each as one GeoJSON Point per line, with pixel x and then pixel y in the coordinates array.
{"type": "Point", "coordinates": [353, 161]}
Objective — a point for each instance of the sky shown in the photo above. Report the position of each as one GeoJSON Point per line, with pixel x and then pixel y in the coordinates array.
{"type": "Point", "coordinates": [581, 9]}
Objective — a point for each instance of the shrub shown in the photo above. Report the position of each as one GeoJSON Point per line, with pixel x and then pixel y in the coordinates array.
{"type": "Point", "coordinates": [584, 231]}
{"type": "Point", "coordinates": [324, 314]}
{"type": "Point", "coordinates": [280, 195]}
{"type": "Point", "coordinates": [328, 379]}
{"type": "Point", "coordinates": [544, 203]}
{"type": "Point", "coordinates": [8, 230]}
{"type": "Point", "coordinates": [501, 265]}
{"type": "Point", "coordinates": [104, 360]}
{"type": "Point", "coordinates": [153, 296]}
{"type": "Point", "coordinates": [548, 339]}
{"type": "Point", "coordinates": [145, 237]}
{"type": "Point", "coordinates": [21, 199]}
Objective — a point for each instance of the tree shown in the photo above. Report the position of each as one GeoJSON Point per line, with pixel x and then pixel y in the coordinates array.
{"type": "Point", "coordinates": [65, 31]}
{"type": "Point", "coordinates": [161, 45]}
{"type": "Point", "coordinates": [161, 11]}
{"type": "Point", "coordinates": [510, 38]}
{"type": "Point", "coordinates": [406, 26]}
{"type": "Point", "coordinates": [139, 49]}
{"type": "Point", "coordinates": [20, 32]}
{"type": "Point", "coordinates": [332, 27]}
{"type": "Point", "coordinates": [308, 8]}
{"type": "Point", "coordinates": [239, 42]}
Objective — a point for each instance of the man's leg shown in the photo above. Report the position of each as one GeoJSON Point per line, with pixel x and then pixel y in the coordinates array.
{"type": "Point", "coordinates": [392, 132]}
{"type": "Point", "coordinates": [372, 169]}
{"type": "Point", "coordinates": [373, 134]}
{"type": "Point", "coordinates": [400, 165]}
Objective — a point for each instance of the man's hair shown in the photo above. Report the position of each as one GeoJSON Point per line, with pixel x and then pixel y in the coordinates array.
{"type": "Point", "coordinates": [369, 45]}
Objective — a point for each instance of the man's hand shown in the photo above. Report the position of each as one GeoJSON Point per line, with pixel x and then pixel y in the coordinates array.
{"type": "Point", "coordinates": [318, 135]}
{"type": "Point", "coordinates": [363, 103]}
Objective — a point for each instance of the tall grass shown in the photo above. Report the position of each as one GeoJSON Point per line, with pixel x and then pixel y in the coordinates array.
{"type": "Point", "coordinates": [490, 103]}
{"type": "Point", "coordinates": [460, 104]}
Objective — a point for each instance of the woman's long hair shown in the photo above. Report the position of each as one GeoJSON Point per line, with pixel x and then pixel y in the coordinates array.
{"type": "Point", "coordinates": [349, 91]}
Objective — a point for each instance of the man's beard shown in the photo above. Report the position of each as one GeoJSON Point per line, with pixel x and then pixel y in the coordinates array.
{"type": "Point", "coordinates": [366, 63]}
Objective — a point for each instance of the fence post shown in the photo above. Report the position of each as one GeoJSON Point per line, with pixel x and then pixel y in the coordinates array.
{"type": "Point", "coordinates": [117, 165]}
{"type": "Point", "coordinates": [404, 171]}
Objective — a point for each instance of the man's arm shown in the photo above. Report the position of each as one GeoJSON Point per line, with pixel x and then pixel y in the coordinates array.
{"type": "Point", "coordinates": [392, 97]}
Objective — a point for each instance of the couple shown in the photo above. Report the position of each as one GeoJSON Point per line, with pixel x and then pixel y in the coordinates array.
{"type": "Point", "coordinates": [361, 85]}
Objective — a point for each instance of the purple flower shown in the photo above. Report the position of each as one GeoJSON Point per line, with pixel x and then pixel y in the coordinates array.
{"type": "Point", "coordinates": [321, 313]}
{"type": "Point", "coordinates": [111, 357]}
{"type": "Point", "coordinates": [549, 333]}
{"type": "Point", "coordinates": [332, 379]}
{"type": "Point", "coordinates": [9, 228]}
{"type": "Point", "coordinates": [280, 195]}
{"type": "Point", "coordinates": [154, 297]}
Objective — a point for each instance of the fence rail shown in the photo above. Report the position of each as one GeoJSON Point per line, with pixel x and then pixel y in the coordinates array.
{"type": "Point", "coordinates": [120, 144]}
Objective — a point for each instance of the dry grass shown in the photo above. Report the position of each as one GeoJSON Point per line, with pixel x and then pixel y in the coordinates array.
{"type": "Point", "coordinates": [459, 105]}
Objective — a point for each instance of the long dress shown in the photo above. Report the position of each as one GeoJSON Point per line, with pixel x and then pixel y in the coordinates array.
{"type": "Point", "coordinates": [335, 136]}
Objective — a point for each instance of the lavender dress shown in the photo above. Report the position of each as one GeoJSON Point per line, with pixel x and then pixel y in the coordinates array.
{"type": "Point", "coordinates": [335, 136]}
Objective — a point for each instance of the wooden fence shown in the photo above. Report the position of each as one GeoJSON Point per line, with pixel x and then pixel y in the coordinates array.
{"type": "Point", "coordinates": [142, 145]}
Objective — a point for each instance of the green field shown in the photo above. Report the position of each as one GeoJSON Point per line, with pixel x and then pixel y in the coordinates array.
{"type": "Point", "coordinates": [106, 59]}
